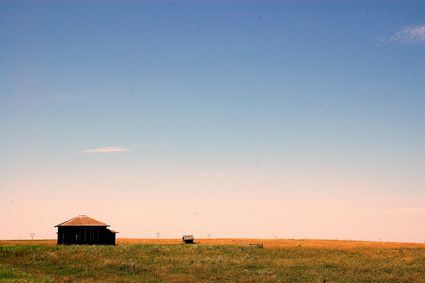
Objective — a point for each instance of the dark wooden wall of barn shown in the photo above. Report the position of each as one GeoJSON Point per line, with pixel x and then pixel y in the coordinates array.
{"type": "Point", "coordinates": [83, 235]}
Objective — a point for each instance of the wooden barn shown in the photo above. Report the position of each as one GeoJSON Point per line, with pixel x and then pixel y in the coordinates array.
{"type": "Point", "coordinates": [83, 230]}
{"type": "Point", "coordinates": [188, 239]}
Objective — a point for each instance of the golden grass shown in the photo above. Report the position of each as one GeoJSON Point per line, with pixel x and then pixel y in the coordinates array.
{"type": "Point", "coordinates": [213, 260]}
{"type": "Point", "coordinates": [27, 242]}
{"type": "Point", "coordinates": [277, 243]}
{"type": "Point", "coordinates": [268, 243]}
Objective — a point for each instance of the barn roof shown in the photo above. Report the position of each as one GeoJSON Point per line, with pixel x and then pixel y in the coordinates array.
{"type": "Point", "coordinates": [82, 220]}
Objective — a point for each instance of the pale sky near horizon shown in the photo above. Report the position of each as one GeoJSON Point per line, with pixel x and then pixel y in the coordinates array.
{"type": "Point", "coordinates": [288, 119]}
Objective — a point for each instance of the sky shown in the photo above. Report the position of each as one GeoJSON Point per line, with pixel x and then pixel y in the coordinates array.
{"type": "Point", "coordinates": [268, 119]}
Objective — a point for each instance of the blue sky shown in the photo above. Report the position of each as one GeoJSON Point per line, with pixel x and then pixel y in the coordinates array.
{"type": "Point", "coordinates": [194, 105]}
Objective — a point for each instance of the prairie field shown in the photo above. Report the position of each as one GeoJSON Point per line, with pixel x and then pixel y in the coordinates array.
{"type": "Point", "coordinates": [213, 260]}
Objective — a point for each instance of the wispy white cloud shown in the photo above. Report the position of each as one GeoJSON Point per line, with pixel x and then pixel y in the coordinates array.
{"type": "Point", "coordinates": [107, 149]}
{"type": "Point", "coordinates": [413, 34]}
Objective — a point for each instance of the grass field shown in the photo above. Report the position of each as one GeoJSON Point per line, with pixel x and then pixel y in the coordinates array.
{"type": "Point", "coordinates": [215, 260]}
